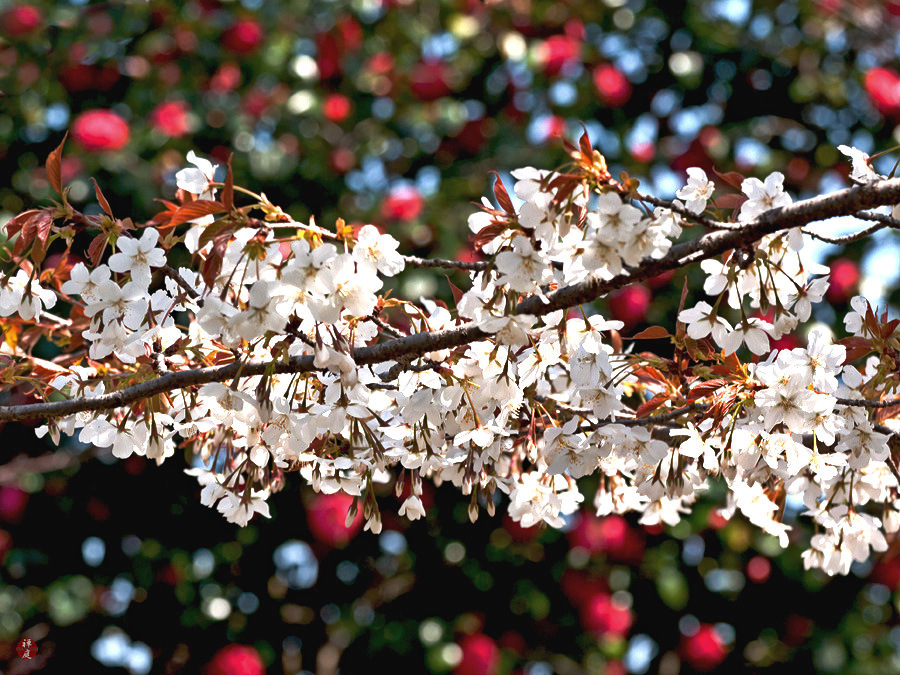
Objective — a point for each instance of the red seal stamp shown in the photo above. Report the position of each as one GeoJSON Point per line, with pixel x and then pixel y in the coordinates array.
{"type": "Point", "coordinates": [26, 648]}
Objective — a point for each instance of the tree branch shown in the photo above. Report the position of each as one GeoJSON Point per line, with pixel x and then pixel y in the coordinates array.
{"type": "Point", "coordinates": [841, 203]}
{"type": "Point", "coordinates": [476, 266]}
{"type": "Point", "coordinates": [867, 403]}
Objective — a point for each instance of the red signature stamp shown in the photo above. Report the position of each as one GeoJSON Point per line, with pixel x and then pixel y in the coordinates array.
{"type": "Point", "coordinates": [26, 648]}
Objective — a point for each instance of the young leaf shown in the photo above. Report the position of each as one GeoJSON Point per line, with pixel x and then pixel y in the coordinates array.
{"type": "Point", "coordinates": [40, 220]}
{"type": "Point", "coordinates": [95, 250]}
{"type": "Point", "coordinates": [649, 406]}
{"type": "Point", "coordinates": [733, 178]}
{"type": "Point", "coordinates": [42, 238]}
{"type": "Point", "coordinates": [54, 167]}
{"type": "Point", "coordinates": [857, 347]}
{"type": "Point", "coordinates": [704, 389]}
{"type": "Point", "coordinates": [15, 225]}
{"type": "Point", "coordinates": [652, 333]}
{"type": "Point", "coordinates": [457, 293]}
{"type": "Point", "coordinates": [731, 201]}
{"type": "Point", "coordinates": [487, 234]}
{"type": "Point", "coordinates": [502, 195]}
{"type": "Point", "coordinates": [195, 209]}
{"type": "Point", "coordinates": [101, 199]}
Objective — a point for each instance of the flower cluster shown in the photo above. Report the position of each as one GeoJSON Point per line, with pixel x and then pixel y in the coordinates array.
{"type": "Point", "coordinates": [280, 356]}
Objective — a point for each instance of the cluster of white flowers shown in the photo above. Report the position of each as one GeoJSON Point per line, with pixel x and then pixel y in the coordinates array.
{"type": "Point", "coordinates": [545, 400]}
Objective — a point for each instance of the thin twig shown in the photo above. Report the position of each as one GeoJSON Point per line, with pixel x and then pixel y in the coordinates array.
{"type": "Point", "coordinates": [847, 239]}
{"type": "Point", "coordinates": [868, 403]}
{"type": "Point", "coordinates": [687, 214]}
{"type": "Point", "coordinates": [385, 327]}
{"type": "Point", "coordinates": [173, 274]}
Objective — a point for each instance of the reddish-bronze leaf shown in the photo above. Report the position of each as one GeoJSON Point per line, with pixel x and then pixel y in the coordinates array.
{"type": "Point", "coordinates": [42, 368]}
{"type": "Point", "coordinates": [871, 320]}
{"type": "Point", "coordinates": [648, 407]}
{"type": "Point", "coordinates": [652, 333]}
{"type": "Point", "coordinates": [488, 233]}
{"type": "Point", "coordinates": [706, 388]}
{"type": "Point", "coordinates": [649, 373]}
{"type": "Point", "coordinates": [722, 402]}
{"type": "Point", "coordinates": [882, 414]}
{"type": "Point", "coordinates": [213, 230]}
{"type": "Point", "coordinates": [195, 209]}
{"type": "Point", "coordinates": [95, 250]}
{"type": "Point", "coordinates": [502, 195]}
{"type": "Point", "coordinates": [733, 178]}
{"type": "Point", "coordinates": [101, 199]}
{"type": "Point", "coordinates": [15, 225]}
{"type": "Point", "coordinates": [857, 347]}
{"type": "Point", "coordinates": [457, 293]}
{"type": "Point", "coordinates": [731, 201]}
{"type": "Point", "coordinates": [38, 221]}
{"type": "Point", "coordinates": [888, 328]}
{"type": "Point", "coordinates": [212, 265]}
{"type": "Point", "coordinates": [54, 167]}
{"type": "Point", "coordinates": [733, 363]}
{"type": "Point", "coordinates": [42, 238]}
{"type": "Point", "coordinates": [585, 144]}
{"type": "Point", "coordinates": [615, 339]}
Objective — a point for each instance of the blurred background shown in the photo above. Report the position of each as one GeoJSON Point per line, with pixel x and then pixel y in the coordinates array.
{"type": "Point", "coordinates": [394, 112]}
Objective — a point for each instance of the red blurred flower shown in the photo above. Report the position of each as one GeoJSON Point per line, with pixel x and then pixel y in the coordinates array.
{"type": "Point", "coordinates": [797, 629]}
{"type": "Point", "coordinates": [630, 304]}
{"type": "Point", "coordinates": [601, 615]}
{"type": "Point", "coordinates": [226, 78]}
{"type": "Point", "coordinates": [578, 587]}
{"type": "Point", "coordinates": [21, 20]}
{"type": "Point", "coordinates": [236, 660]}
{"type": "Point", "coordinates": [612, 85]}
{"type": "Point", "coordinates": [704, 650]}
{"type": "Point", "coordinates": [326, 516]}
{"type": "Point", "coordinates": [610, 535]}
{"type": "Point", "coordinates": [887, 572]}
{"type": "Point", "coordinates": [336, 108]}
{"type": "Point", "coordinates": [170, 118]}
{"type": "Point", "coordinates": [243, 37]}
{"type": "Point", "coordinates": [844, 280]}
{"type": "Point", "coordinates": [558, 51]}
{"type": "Point", "coordinates": [404, 203]}
{"type": "Point", "coordinates": [481, 656]}
{"type": "Point", "coordinates": [759, 569]}
{"type": "Point", "coordinates": [430, 80]}
{"type": "Point", "coordinates": [380, 63]}
{"type": "Point", "coordinates": [715, 519]}
{"type": "Point", "coordinates": [12, 504]}
{"type": "Point", "coordinates": [328, 56]}
{"type": "Point", "coordinates": [883, 87]}
{"type": "Point", "coordinates": [97, 130]}
{"type": "Point", "coordinates": [642, 152]}
{"type": "Point", "coordinates": [520, 534]}
{"type": "Point", "coordinates": [255, 103]}
{"type": "Point", "coordinates": [78, 77]}
{"type": "Point", "coordinates": [342, 160]}
{"type": "Point", "coordinates": [351, 33]}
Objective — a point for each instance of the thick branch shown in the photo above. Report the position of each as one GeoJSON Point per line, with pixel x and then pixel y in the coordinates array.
{"type": "Point", "coordinates": [475, 266]}
{"type": "Point", "coordinates": [841, 203]}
